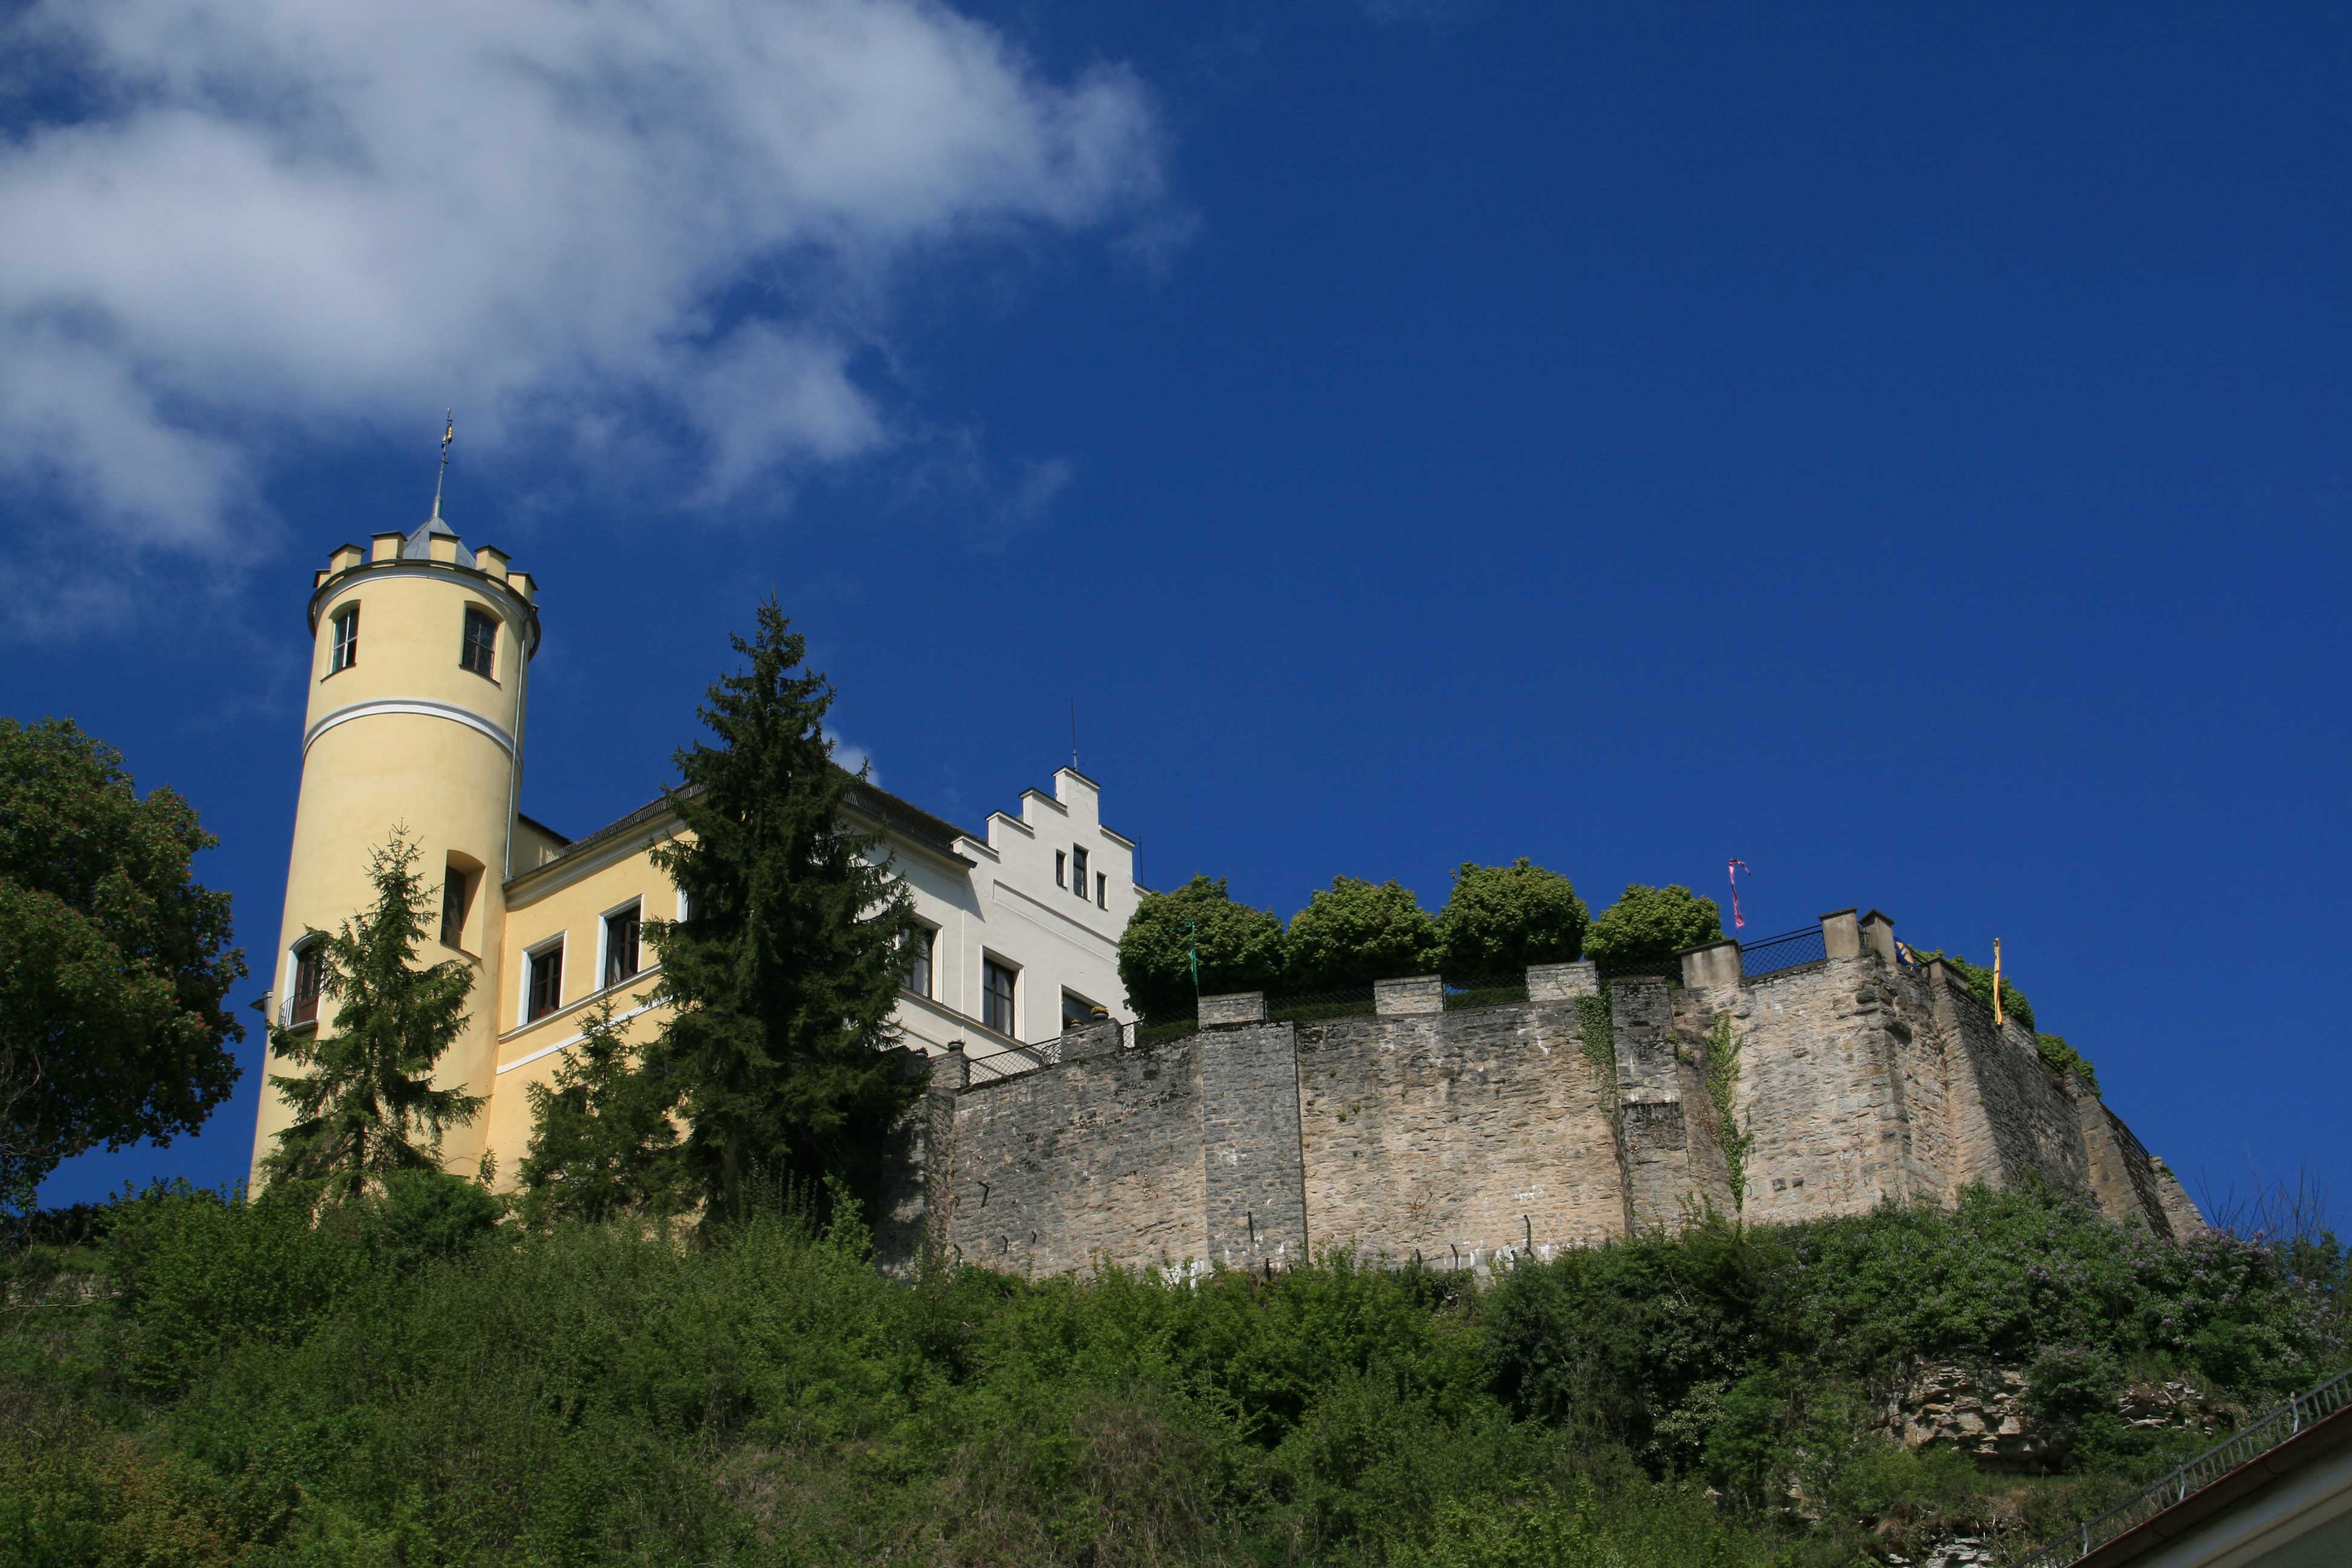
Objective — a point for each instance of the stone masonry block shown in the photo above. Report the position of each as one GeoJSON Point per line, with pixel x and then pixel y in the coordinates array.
{"type": "Point", "coordinates": [1716, 964]}
{"type": "Point", "coordinates": [1878, 936]}
{"type": "Point", "coordinates": [1255, 1182]}
{"type": "Point", "coordinates": [1394, 998]}
{"type": "Point", "coordinates": [1841, 934]}
{"type": "Point", "coordinates": [1235, 1007]}
{"type": "Point", "coordinates": [1562, 982]}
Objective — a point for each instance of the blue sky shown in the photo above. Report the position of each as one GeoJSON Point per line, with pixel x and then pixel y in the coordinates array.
{"type": "Point", "coordinates": [1905, 451]}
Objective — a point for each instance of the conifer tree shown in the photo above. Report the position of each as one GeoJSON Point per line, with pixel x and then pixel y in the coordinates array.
{"type": "Point", "coordinates": [603, 1142]}
{"type": "Point", "coordinates": [788, 964]}
{"type": "Point", "coordinates": [366, 1105]}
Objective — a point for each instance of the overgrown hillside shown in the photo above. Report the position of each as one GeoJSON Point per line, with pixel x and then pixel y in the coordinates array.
{"type": "Point", "coordinates": [204, 1383]}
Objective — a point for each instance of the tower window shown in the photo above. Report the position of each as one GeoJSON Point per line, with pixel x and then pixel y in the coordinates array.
{"type": "Point", "coordinates": [480, 653]}
{"type": "Point", "coordinates": [1078, 872]}
{"type": "Point", "coordinates": [997, 982]}
{"type": "Point", "coordinates": [308, 970]}
{"type": "Point", "coordinates": [453, 908]}
{"type": "Point", "coordinates": [621, 931]}
{"type": "Point", "coordinates": [544, 990]}
{"type": "Point", "coordinates": [346, 649]}
{"type": "Point", "coordinates": [922, 947]}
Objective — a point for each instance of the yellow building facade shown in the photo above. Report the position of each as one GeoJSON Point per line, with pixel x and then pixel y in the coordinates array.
{"type": "Point", "coordinates": [422, 651]}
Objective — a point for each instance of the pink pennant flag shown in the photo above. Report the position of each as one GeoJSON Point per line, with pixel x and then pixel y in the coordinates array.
{"type": "Point", "coordinates": [1738, 920]}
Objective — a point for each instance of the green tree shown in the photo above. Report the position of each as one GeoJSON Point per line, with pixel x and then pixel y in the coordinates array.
{"type": "Point", "coordinates": [603, 1142]}
{"type": "Point", "coordinates": [1240, 948]}
{"type": "Point", "coordinates": [785, 972]}
{"type": "Point", "coordinates": [1650, 925]}
{"type": "Point", "coordinates": [113, 959]}
{"type": "Point", "coordinates": [1504, 918]}
{"type": "Point", "coordinates": [364, 1103]}
{"type": "Point", "coordinates": [1353, 933]}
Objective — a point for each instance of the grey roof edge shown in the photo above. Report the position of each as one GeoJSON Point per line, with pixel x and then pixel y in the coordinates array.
{"type": "Point", "coordinates": [894, 813]}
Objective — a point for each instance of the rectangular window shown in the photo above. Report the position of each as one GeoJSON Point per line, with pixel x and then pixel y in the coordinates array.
{"type": "Point", "coordinates": [1102, 891]}
{"type": "Point", "coordinates": [1078, 872]}
{"type": "Point", "coordinates": [480, 653]}
{"type": "Point", "coordinates": [453, 909]}
{"type": "Point", "coordinates": [921, 949]}
{"type": "Point", "coordinates": [308, 970]}
{"type": "Point", "coordinates": [1077, 1012]}
{"type": "Point", "coordinates": [546, 989]}
{"type": "Point", "coordinates": [997, 981]}
{"type": "Point", "coordinates": [347, 640]}
{"type": "Point", "coordinates": [621, 931]}
{"type": "Point", "coordinates": [1061, 869]}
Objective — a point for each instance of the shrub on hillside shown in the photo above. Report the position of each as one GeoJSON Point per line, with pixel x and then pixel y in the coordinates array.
{"type": "Point", "coordinates": [1354, 932]}
{"type": "Point", "coordinates": [1500, 919]}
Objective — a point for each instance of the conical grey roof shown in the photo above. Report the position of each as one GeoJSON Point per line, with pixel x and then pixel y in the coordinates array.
{"type": "Point", "coordinates": [418, 545]}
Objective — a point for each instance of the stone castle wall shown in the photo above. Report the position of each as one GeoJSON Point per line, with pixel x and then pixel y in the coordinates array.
{"type": "Point", "coordinates": [1473, 1137]}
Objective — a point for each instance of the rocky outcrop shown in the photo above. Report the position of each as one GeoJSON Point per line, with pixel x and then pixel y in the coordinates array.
{"type": "Point", "coordinates": [1983, 1412]}
{"type": "Point", "coordinates": [1980, 1413]}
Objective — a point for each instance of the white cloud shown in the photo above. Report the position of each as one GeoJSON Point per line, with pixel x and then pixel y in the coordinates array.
{"type": "Point", "coordinates": [282, 217]}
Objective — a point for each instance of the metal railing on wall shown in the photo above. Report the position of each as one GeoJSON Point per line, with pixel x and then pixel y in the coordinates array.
{"type": "Point", "coordinates": [1775, 954]}
{"type": "Point", "coordinates": [1016, 1059]}
{"type": "Point", "coordinates": [2247, 1444]}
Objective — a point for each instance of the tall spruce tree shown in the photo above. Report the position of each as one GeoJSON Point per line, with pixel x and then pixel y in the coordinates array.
{"type": "Point", "coordinates": [602, 1141]}
{"type": "Point", "coordinates": [785, 970]}
{"type": "Point", "coordinates": [365, 1106]}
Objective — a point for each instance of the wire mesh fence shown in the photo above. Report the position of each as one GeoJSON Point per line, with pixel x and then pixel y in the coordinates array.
{"type": "Point", "coordinates": [2249, 1443]}
{"type": "Point", "coordinates": [1485, 991]}
{"type": "Point", "coordinates": [1789, 951]}
{"type": "Point", "coordinates": [1315, 1007]}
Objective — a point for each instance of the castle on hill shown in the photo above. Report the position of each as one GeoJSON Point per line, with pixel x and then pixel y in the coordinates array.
{"type": "Point", "coordinates": [1050, 1135]}
{"type": "Point", "coordinates": [1468, 1131]}
{"type": "Point", "coordinates": [419, 696]}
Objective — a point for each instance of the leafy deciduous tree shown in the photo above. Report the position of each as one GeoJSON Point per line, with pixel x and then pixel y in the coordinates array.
{"type": "Point", "coordinates": [113, 961]}
{"type": "Point", "coordinates": [603, 1142]}
{"type": "Point", "coordinates": [1650, 925]}
{"type": "Point", "coordinates": [365, 1106]}
{"type": "Point", "coordinates": [1240, 948]}
{"type": "Point", "coordinates": [1503, 917]}
{"type": "Point", "coordinates": [1355, 932]}
{"type": "Point", "coordinates": [785, 972]}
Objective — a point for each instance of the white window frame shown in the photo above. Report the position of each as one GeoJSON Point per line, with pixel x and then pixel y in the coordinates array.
{"type": "Point", "coordinates": [294, 952]}
{"type": "Point", "coordinates": [1083, 1000]}
{"type": "Point", "coordinates": [931, 933]}
{"type": "Point", "coordinates": [605, 942]}
{"type": "Point", "coordinates": [336, 643]}
{"type": "Point", "coordinates": [531, 957]}
{"type": "Point", "coordinates": [1012, 1003]}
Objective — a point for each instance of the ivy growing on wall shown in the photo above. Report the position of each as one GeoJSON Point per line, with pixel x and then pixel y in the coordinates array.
{"type": "Point", "coordinates": [1722, 1080]}
{"type": "Point", "coordinates": [1598, 1043]}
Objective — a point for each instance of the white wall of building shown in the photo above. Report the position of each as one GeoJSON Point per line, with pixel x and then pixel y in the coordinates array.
{"type": "Point", "coordinates": [1015, 899]}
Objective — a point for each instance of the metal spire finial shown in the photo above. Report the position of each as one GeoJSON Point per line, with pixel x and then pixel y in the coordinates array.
{"type": "Point", "coordinates": [448, 433]}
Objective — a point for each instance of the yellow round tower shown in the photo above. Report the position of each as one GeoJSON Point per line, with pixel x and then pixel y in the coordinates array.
{"type": "Point", "coordinates": [420, 656]}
